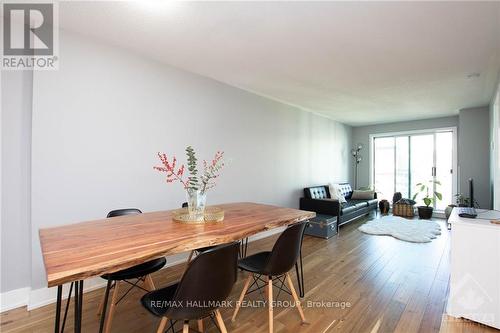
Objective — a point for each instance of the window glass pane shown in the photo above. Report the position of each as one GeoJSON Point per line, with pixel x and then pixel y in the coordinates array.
{"type": "Point", "coordinates": [402, 165]}
{"type": "Point", "coordinates": [384, 167]}
{"type": "Point", "coordinates": [422, 157]}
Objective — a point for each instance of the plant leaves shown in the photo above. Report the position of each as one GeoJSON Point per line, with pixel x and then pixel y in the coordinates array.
{"type": "Point", "coordinates": [439, 195]}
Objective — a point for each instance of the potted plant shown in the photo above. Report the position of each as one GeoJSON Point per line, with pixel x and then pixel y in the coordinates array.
{"type": "Point", "coordinates": [425, 212]}
{"type": "Point", "coordinates": [196, 185]}
{"type": "Point", "coordinates": [460, 201]}
{"type": "Point", "coordinates": [463, 201]}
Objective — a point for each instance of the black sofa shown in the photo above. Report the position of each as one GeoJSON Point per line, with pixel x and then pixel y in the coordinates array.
{"type": "Point", "coordinates": [318, 199]}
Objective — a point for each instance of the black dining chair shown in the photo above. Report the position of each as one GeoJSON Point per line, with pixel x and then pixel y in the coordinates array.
{"type": "Point", "coordinates": [197, 251]}
{"type": "Point", "coordinates": [140, 273]}
{"type": "Point", "coordinates": [274, 266]}
{"type": "Point", "coordinates": [242, 251]}
{"type": "Point", "coordinates": [206, 283]}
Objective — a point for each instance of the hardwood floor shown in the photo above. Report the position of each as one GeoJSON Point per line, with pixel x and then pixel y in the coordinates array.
{"type": "Point", "coordinates": [372, 284]}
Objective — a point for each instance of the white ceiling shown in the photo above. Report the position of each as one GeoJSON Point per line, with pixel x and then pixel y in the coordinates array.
{"type": "Point", "coordinates": [356, 62]}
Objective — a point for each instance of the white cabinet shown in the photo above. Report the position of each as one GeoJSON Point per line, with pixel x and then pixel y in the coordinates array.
{"type": "Point", "coordinates": [475, 268]}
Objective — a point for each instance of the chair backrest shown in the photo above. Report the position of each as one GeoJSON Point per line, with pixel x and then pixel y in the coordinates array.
{"type": "Point", "coordinates": [125, 211]}
{"type": "Point", "coordinates": [286, 250]}
{"type": "Point", "coordinates": [207, 282]}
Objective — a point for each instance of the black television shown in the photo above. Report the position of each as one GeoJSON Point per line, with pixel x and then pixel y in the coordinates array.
{"type": "Point", "coordinates": [471, 193]}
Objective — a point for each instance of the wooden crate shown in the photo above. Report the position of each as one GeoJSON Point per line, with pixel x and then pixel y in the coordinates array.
{"type": "Point", "coordinates": [403, 210]}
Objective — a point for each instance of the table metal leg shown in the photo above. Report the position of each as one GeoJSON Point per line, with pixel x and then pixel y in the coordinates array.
{"type": "Point", "coordinates": [58, 328]}
{"type": "Point", "coordinates": [77, 303]}
{"type": "Point", "coordinates": [67, 307]}
{"type": "Point", "coordinates": [300, 275]}
{"type": "Point", "coordinates": [243, 248]}
{"type": "Point", "coordinates": [78, 300]}
{"type": "Point", "coordinates": [58, 309]}
{"type": "Point", "coordinates": [104, 306]}
{"type": "Point", "coordinates": [80, 307]}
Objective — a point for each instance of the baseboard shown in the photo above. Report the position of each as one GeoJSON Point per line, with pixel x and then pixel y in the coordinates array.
{"type": "Point", "coordinates": [43, 296]}
{"type": "Point", "coordinates": [35, 298]}
{"type": "Point", "coordinates": [14, 299]}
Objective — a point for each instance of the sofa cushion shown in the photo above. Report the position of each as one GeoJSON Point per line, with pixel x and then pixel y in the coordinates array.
{"type": "Point", "coordinates": [317, 192]}
{"type": "Point", "coordinates": [335, 193]}
{"type": "Point", "coordinates": [349, 209]}
{"type": "Point", "coordinates": [359, 203]}
{"type": "Point", "coordinates": [372, 202]}
{"type": "Point", "coordinates": [362, 195]}
{"type": "Point", "coordinates": [345, 190]}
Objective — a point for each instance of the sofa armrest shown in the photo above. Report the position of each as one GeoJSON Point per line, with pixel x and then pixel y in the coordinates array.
{"type": "Point", "coordinates": [321, 206]}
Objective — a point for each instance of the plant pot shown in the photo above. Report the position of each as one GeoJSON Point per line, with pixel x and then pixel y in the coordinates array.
{"type": "Point", "coordinates": [425, 212]}
{"type": "Point", "coordinates": [384, 206]}
{"type": "Point", "coordinates": [447, 211]}
{"type": "Point", "coordinates": [396, 197]}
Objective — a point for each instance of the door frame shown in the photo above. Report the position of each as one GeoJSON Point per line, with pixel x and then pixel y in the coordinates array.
{"type": "Point", "coordinates": [452, 129]}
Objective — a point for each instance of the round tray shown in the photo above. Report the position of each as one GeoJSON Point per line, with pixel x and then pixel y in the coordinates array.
{"type": "Point", "coordinates": [212, 214]}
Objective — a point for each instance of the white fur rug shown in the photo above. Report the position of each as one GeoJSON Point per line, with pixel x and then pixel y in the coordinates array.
{"type": "Point", "coordinates": [415, 231]}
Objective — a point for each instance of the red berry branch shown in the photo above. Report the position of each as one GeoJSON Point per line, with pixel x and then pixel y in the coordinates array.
{"type": "Point", "coordinates": [194, 182]}
{"type": "Point", "coordinates": [169, 168]}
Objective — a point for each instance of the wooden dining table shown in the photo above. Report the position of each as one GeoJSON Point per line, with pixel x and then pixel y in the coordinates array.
{"type": "Point", "coordinates": [78, 251]}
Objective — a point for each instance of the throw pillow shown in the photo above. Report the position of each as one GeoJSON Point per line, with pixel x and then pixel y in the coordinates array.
{"type": "Point", "coordinates": [336, 194]}
{"type": "Point", "coordinates": [362, 195]}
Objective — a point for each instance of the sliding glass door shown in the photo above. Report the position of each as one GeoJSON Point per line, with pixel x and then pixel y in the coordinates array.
{"type": "Point", "coordinates": [400, 162]}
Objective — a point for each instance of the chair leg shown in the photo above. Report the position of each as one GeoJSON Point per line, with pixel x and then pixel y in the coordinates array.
{"type": "Point", "coordinates": [266, 290]}
{"type": "Point", "coordinates": [101, 303]}
{"type": "Point", "coordinates": [148, 282]}
{"type": "Point", "coordinates": [242, 295]}
{"type": "Point", "coordinates": [270, 301]}
{"type": "Point", "coordinates": [200, 325]}
{"type": "Point", "coordinates": [220, 322]}
{"type": "Point", "coordinates": [185, 327]}
{"type": "Point", "coordinates": [163, 323]}
{"type": "Point", "coordinates": [114, 299]}
{"type": "Point", "coordinates": [295, 298]}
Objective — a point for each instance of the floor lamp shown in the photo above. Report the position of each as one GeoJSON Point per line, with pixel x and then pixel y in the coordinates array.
{"type": "Point", "coordinates": [357, 158]}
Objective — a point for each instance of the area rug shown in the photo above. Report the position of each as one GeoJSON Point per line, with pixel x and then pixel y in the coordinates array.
{"type": "Point", "coordinates": [415, 231]}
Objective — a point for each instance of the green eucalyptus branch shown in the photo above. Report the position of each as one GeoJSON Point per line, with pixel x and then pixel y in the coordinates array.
{"type": "Point", "coordinates": [193, 183]}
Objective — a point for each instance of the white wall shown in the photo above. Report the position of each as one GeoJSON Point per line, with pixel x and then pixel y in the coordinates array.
{"type": "Point", "coordinates": [16, 94]}
{"type": "Point", "coordinates": [474, 153]}
{"type": "Point", "coordinates": [100, 119]}
{"type": "Point", "coordinates": [495, 148]}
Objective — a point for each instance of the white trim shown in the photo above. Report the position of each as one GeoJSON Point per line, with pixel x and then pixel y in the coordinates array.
{"type": "Point", "coordinates": [422, 131]}
{"type": "Point", "coordinates": [14, 299]}
{"type": "Point", "coordinates": [35, 298]}
{"type": "Point", "coordinates": [43, 296]}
